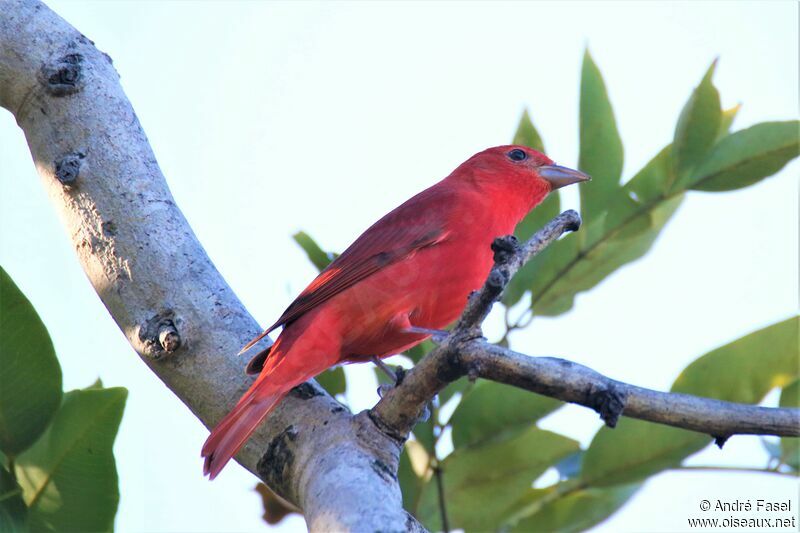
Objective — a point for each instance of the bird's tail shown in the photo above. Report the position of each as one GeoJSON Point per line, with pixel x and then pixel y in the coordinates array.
{"type": "Point", "coordinates": [230, 435]}
{"type": "Point", "coordinates": [276, 380]}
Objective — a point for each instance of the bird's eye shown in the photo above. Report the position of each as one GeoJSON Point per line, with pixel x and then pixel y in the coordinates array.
{"type": "Point", "coordinates": [517, 155]}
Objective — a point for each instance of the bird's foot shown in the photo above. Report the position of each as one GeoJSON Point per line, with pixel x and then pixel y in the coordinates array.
{"type": "Point", "coordinates": [437, 335]}
{"type": "Point", "coordinates": [396, 376]}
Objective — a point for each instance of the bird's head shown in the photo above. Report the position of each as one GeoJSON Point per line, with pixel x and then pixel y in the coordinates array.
{"type": "Point", "coordinates": [518, 166]}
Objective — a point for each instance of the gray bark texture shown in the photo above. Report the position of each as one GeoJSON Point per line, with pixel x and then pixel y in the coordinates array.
{"type": "Point", "coordinates": [159, 285]}
{"type": "Point", "coordinates": [184, 321]}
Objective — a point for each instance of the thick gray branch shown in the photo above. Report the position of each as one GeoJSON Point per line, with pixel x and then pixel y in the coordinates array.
{"type": "Point", "coordinates": [465, 352]}
{"type": "Point", "coordinates": [157, 282]}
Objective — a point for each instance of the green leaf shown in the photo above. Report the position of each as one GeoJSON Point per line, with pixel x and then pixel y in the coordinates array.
{"type": "Point", "coordinates": [741, 371]}
{"type": "Point", "coordinates": [601, 153]}
{"type": "Point", "coordinates": [790, 447]}
{"type": "Point", "coordinates": [540, 275]}
{"type": "Point", "coordinates": [516, 289]}
{"type": "Point", "coordinates": [69, 477]}
{"type": "Point", "coordinates": [460, 385]}
{"type": "Point", "coordinates": [628, 219]}
{"type": "Point", "coordinates": [637, 214]}
{"type": "Point", "coordinates": [481, 483]}
{"type": "Point", "coordinates": [423, 432]}
{"type": "Point", "coordinates": [333, 381]}
{"type": "Point", "coordinates": [418, 352]}
{"type": "Point", "coordinates": [315, 254]}
{"type": "Point", "coordinates": [698, 126]}
{"type": "Point", "coordinates": [635, 450]}
{"type": "Point", "coordinates": [570, 466]}
{"type": "Point", "coordinates": [533, 222]}
{"type": "Point", "coordinates": [649, 185]}
{"type": "Point", "coordinates": [381, 376]}
{"type": "Point", "coordinates": [410, 483]}
{"type": "Point", "coordinates": [527, 135]}
{"type": "Point", "coordinates": [563, 270]}
{"type": "Point", "coordinates": [492, 409]}
{"type": "Point", "coordinates": [747, 369]}
{"type": "Point", "coordinates": [577, 511]}
{"type": "Point", "coordinates": [30, 376]}
{"type": "Point", "coordinates": [747, 156]}
{"type": "Point", "coordinates": [13, 512]}
{"type": "Point", "coordinates": [726, 121]}
{"type": "Point", "coordinates": [631, 210]}
{"type": "Point", "coordinates": [538, 217]}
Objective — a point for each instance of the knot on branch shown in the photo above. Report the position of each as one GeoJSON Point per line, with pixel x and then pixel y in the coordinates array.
{"type": "Point", "coordinates": [720, 440]}
{"type": "Point", "coordinates": [160, 335]}
{"type": "Point", "coordinates": [276, 463]}
{"type": "Point", "coordinates": [63, 76]}
{"type": "Point", "coordinates": [399, 375]}
{"type": "Point", "coordinates": [497, 280]}
{"type": "Point", "coordinates": [305, 391]}
{"type": "Point", "coordinates": [68, 168]}
{"type": "Point", "coordinates": [608, 401]}
{"type": "Point", "coordinates": [168, 337]}
{"type": "Point", "coordinates": [450, 367]}
{"type": "Point", "coordinates": [473, 371]}
{"type": "Point", "coordinates": [505, 248]}
{"type": "Point", "coordinates": [572, 220]}
{"type": "Point", "coordinates": [109, 228]}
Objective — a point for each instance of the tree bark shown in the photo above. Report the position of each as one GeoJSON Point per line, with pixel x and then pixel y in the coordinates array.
{"type": "Point", "coordinates": [185, 323]}
{"type": "Point", "coordinates": [159, 285]}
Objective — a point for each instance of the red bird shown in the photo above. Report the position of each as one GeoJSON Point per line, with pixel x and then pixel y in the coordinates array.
{"type": "Point", "coordinates": [408, 274]}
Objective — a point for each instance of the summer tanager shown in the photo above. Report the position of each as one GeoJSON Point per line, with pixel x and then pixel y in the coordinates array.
{"type": "Point", "coordinates": [410, 273]}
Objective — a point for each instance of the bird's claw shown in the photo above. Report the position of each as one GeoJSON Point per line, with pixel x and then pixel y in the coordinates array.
{"type": "Point", "coordinates": [384, 389]}
{"type": "Point", "coordinates": [425, 415]}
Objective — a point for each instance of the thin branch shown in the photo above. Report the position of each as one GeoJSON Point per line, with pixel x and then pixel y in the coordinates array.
{"type": "Point", "coordinates": [465, 352]}
{"type": "Point", "coordinates": [437, 472]}
{"type": "Point", "coordinates": [522, 322]}
{"type": "Point", "coordinates": [733, 469]}
{"type": "Point", "coordinates": [572, 382]}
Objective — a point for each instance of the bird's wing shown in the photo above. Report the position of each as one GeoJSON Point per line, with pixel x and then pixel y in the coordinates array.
{"type": "Point", "coordinates": [416, 224]}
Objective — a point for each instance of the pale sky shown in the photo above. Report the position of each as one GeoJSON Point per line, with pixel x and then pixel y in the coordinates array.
{"type": "Point", "coordinates": [272, 117]}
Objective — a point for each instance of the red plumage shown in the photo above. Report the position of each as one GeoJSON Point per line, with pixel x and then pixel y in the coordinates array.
{"type": "Point", "coordinates": [414, 267]}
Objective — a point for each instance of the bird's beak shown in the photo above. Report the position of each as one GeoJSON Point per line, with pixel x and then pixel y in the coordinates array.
{"type": "Point", "coordinates": [559, 176]}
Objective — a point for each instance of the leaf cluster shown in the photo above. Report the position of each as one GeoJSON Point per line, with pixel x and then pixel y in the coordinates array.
{"type": "Point", "coordinates": [57, 468]}
{"type": "Point", "coordinates": [623, 220]}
